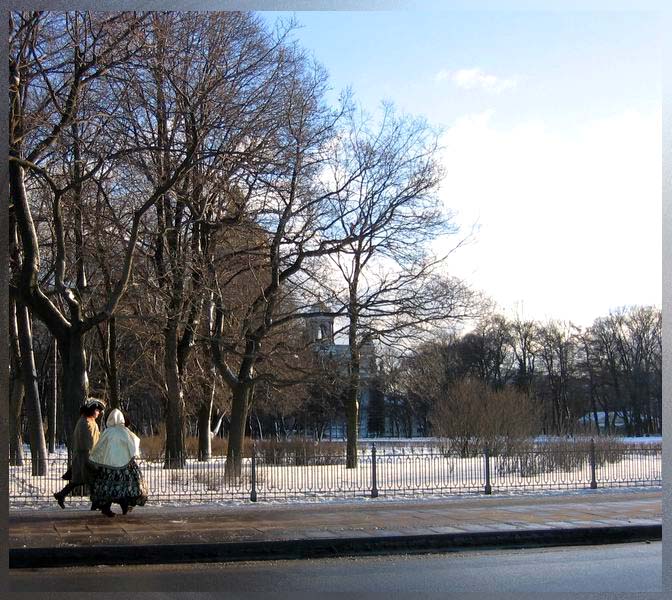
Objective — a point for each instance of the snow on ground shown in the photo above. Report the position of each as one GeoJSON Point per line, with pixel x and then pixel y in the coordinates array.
{"type": "Point", "coordinates": [408, 472]}
{"type": "Point", "coordinates": [652, 439]}
{"type": "Point", "coordinates": [196, 506]}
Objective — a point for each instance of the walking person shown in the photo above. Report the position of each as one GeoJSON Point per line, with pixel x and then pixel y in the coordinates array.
{"type": "Point", "coordinates": [84, 438]}
{"type": "Point", "coordinates": [115, 476]}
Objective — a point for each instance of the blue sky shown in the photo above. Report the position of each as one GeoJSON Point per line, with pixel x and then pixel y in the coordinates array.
{"type": "Point", "coordinates": [552, 135]}
{"type": "Point", "coordinates": [569, 63]}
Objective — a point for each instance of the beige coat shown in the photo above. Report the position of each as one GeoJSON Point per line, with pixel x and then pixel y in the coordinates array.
{"type": "Point", "coordinates": [84, 438]}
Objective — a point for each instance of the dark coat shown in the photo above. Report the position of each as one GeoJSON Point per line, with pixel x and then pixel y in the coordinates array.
{"type": "Point", "coordinates": [84, 438]}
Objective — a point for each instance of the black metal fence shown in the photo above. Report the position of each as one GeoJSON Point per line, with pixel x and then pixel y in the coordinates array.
{"type": "Point", "coordinates": [386, 472]}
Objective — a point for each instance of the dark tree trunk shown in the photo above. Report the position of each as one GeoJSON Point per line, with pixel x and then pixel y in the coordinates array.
{"type": "Point", "coordinates": [15, 438]}
{"type": "Point", "coordinates": [593, 394]}
{"type": "Point", "coordinates": [175, 444]}
{"type": "Point", "coordinates": [16, 403]}
{"type": "Point", "coordinates": [596, 417]}
{"type": "Point", "coordinates": [75, 384]}
{"type": "Point", "coordinates": [16, 393]}
{"type": "Point", "coordinates": [112, 376]}
{"type": "Point", "coordinates": [240, 405]}
{"type": "Point", "coordinates": [352, 393]}
{"type": "Point", "coordinates": [38, 445]}
{"type": "Point", "coordinates": [204, 437]}
{"type": "Point", "coordinates": [649, 416]}
{"type": "Point", "coordinates": [53, 402]}
{"type": "Point", "coordinates": [352, 408]}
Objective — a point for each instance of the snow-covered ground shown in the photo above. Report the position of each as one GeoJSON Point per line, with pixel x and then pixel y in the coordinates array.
{"type": "Point", "coordinates": [407, 471]}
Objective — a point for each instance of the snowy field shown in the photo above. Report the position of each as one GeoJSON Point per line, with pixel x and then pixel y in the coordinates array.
{"type": "Point", "coordinates": [401, 470]}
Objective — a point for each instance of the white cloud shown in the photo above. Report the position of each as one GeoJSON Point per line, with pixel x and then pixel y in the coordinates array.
{"type": "Point", "coordinates": [570, 221]}
{"type": "Point", "coordinates": [471, 79]}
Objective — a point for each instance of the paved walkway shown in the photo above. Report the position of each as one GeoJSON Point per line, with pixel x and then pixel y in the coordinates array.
{"type": "Point", "coordinates": [78, 532]}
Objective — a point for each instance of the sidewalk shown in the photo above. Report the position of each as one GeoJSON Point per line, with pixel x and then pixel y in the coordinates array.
{"type": "Point", "coordinates": [154, 534]}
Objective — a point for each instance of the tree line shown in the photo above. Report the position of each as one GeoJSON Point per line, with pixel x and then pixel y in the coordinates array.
{"type": "Point", "coordinates": [516, 377]}
{"type": "Point", "coordinates": [181, 196]}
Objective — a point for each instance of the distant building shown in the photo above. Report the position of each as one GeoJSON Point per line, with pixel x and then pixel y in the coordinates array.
{"type": "Point", "coordinates": [321, 332]}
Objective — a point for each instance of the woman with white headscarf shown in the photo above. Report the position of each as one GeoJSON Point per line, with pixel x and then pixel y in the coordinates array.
{"type": "Point", "coordinates": [116, 476]}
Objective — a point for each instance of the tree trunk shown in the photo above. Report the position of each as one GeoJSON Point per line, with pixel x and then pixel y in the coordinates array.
{"type": "Point", "coordinates": [649, 416]}
{"type": "Point", "coordinates": [53, 402]}
{"type": "Point", "coordinates": [204, 436]}
{"type": "Point", "coordinates": [75, 383]}
{"type": "Point", "coordinates": [352, 408]}
{"type": "Point", "coordinates": [112, 376]}
{"type": "Point", "coordinates": [596, 417]}
{"type": "Point", "coordinates": [16, 391]}
{"type": "Point", "coordinates": [15, 437]}
{"type": "Point", "coordinates": [175, 447]}
{"type": "Point", "coordinates": [593, 393]}
{"type": "Point", "coordinates": [38, 445]}
{"type": "Point", "coordinates": [239, 406]}
{"type": "Point", "coordinates": [627, 423]}
{"type": "Point", "coordinates": [175, 408]}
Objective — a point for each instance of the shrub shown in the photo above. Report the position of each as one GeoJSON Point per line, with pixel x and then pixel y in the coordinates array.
{"type": "Point", "coordinates": [530, 459]}
{"type": "Point", "coordinates": [300, 452]}
{"type": "Point", "coordinates": [472, 416]}
{"type": "Point", "coordinates": [295, 452]}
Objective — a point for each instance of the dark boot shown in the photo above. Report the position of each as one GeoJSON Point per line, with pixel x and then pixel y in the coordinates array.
{"type": "Point", "coordinates": [60, 498]}
{"type": "Point", "coordinates": [107, 510]}
{"type": "Point", "coordinates": [124, 506]}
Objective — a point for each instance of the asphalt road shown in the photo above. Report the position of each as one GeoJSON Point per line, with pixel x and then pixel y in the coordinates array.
{"type": "Point", "coordinates": [635, 567]}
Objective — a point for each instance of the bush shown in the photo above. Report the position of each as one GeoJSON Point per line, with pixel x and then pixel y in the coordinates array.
{"type": "Point", "coordinates": [300, 452]}
{"type": "Point", "coordinates": [296, 452]}
{"type": "Point", "coordinates": [153, 447]}
{"type": "Point", "coordinates": [472, 416]}
{"type": "Point", "coordinates": [530, 459]}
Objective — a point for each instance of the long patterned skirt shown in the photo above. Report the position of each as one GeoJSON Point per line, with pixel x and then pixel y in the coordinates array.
{"type": "Point", "coordinates": [117, 484]}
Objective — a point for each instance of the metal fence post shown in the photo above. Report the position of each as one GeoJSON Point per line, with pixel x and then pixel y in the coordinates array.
{"type": "Point", "coordinates": [593, 481]}
{"type": "Point", "coordinates": [253, 492]}
{"type": "Point", "coordinates": [374, 482]}
{"type": "Point", "coordinates": [488, 487]}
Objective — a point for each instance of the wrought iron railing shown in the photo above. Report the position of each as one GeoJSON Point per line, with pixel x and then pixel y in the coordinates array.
{"type": "Point", "coordinates": [382, 472]}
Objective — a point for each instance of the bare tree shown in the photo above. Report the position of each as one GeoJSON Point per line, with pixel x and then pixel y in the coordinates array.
{"type": "Point", "coordinates": [626, 356]}
{"type": "Point", "coordinates": [605, 357]}
{"type": "Point", "coordinates": [523, 336]}
{"type": "Point", "coordinates": [59, 62]}
{"type": "Point", "coordinates": [485, 353]}
{"type": "Point", "coordinates": [557, 351]}
{"type": "Point", "coordinates": [296, 210]}
{"type": "Point", "coordinates": [38, 446]}
{"type": "Point", "coordinates": [325, 385]}
{"type": "Point", "coordinates": [16, 391]}
{"type": "Point", "coordinates": [221, 96]}
{"type": "Point", "coordinates": [588, 366]}
{"type": "Point", "coordinates": [393, 284]}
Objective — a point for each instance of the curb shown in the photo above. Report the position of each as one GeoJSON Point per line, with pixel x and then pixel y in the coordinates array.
{"type": "Point", "coordinates": [40, 558]}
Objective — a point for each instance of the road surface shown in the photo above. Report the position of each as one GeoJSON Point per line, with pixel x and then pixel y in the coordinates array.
{"type": "Point", "coordinates": [635, 567]}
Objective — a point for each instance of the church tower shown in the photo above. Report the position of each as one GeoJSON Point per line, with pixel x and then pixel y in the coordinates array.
{"type": "Point", "coordinates": [321, 328]}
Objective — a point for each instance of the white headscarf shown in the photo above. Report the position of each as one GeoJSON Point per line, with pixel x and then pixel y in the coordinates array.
{"type": "Point", "coordinates": [116, 445]}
